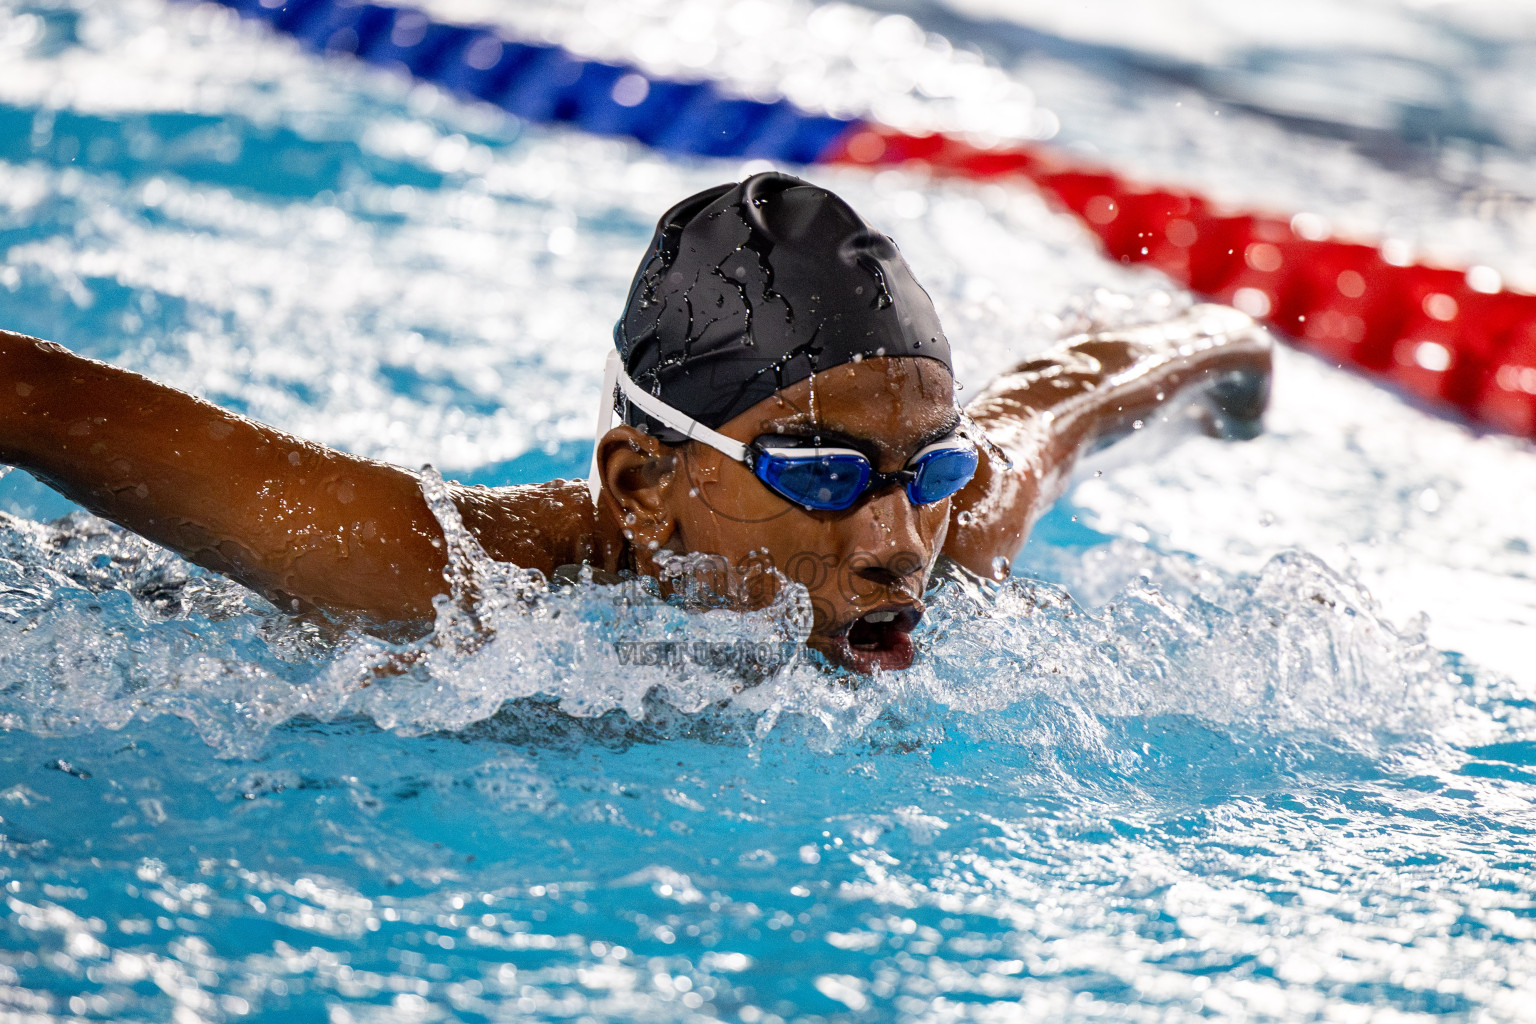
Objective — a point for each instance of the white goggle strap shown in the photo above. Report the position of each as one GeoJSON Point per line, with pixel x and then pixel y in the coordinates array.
{"type": "Point", "coordinates": [614, 375]}
{"type": "Point", "coordinates": [611, 370]}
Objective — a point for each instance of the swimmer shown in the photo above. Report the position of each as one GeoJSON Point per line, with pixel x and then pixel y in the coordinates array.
{"type": "Point", "coordinates": [786, 402]}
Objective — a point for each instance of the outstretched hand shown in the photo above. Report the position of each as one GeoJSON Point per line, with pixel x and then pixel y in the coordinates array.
{"type": "Point", "coordinates": [1089, 392]}
{"type": "Point", "coordinates": [1233, 406]}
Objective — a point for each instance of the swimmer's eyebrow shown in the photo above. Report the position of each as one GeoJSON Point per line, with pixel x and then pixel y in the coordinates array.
{"type": "Point", "coordinates": [832, 438]}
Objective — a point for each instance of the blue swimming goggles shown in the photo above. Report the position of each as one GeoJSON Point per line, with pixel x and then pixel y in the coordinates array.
{"type": "Point", "coordinates": [825, 479]}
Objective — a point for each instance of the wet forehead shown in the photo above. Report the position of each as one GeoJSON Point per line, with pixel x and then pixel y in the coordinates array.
{"type": "Point", "coordinates": [891, 403]}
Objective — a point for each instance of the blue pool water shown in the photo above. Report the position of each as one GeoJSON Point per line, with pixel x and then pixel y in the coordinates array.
{"type": "Point", "coordinates": [1202, 756]}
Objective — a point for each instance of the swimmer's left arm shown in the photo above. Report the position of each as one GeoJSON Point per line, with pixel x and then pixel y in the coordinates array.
{"type": "Point", "coordinates": [305, 525]}
{"type": "Point", "coordinates": [1090, 391]}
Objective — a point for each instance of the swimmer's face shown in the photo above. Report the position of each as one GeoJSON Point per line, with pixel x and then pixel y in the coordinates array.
{"type": "Point", "coordinates": [865, 569]}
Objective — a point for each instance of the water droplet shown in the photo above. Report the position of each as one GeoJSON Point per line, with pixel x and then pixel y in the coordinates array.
{"type": "Point", "coordinates": [1000, 568]}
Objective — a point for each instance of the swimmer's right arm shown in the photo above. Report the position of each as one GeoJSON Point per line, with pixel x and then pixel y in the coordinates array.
{"type": "Point", "coordinates": [304, 525]}
{"type": "Point", "coordinates": [1093, 389]}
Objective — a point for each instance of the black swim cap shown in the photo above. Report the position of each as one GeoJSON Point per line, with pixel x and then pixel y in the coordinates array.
{"type": "Point", "coordinates": [751, 287]}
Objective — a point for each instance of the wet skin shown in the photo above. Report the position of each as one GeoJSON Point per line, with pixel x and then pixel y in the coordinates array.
{"type": "Point", "coordinates": [874, 558]}
{"type": "Point", "coordinates": [312, 528]}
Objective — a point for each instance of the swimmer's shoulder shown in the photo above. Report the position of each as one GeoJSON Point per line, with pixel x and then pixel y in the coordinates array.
{"type": "Point", "coordinates": [537, 526]}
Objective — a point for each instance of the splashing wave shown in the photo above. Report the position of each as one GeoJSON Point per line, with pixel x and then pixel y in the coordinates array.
{"type": "Point", "coordinates": [100, 628]}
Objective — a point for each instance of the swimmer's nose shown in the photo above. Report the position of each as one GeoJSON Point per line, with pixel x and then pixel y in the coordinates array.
{"type": "Point", "coordinates": [882, 576]}
{"type": "Point", "coordinates": [885, 545]}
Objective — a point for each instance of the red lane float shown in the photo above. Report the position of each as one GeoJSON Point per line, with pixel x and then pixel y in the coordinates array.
{"type": "Point", "coordinates": [1456, 339]}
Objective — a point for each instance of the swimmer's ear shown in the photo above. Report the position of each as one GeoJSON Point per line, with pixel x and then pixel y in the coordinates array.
{"type": "Point", "coordinates": [637, 472]}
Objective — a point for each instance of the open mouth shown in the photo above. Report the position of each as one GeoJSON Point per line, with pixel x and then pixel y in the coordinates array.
{"type": "Point", "coordinates": [880, 638]}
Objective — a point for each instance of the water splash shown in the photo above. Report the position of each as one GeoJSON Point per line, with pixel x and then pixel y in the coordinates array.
{"type": "Point", "coordinates": [1157, 786]}
{"type": "Point", "coordinates": [100, 628]}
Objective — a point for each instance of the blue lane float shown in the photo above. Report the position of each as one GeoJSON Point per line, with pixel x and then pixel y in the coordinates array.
{"type": "Point", "coordinates": [547, 84]}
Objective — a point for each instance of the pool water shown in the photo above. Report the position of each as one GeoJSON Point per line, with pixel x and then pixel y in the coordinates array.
{"type": "Point", "coordinates": [1249, 734]}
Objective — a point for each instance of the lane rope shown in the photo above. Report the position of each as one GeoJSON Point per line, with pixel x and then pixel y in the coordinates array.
{"type": "Point", "coordinates": [547, 84]}
{"type": "Point", "coordinates": [1457, 339]}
